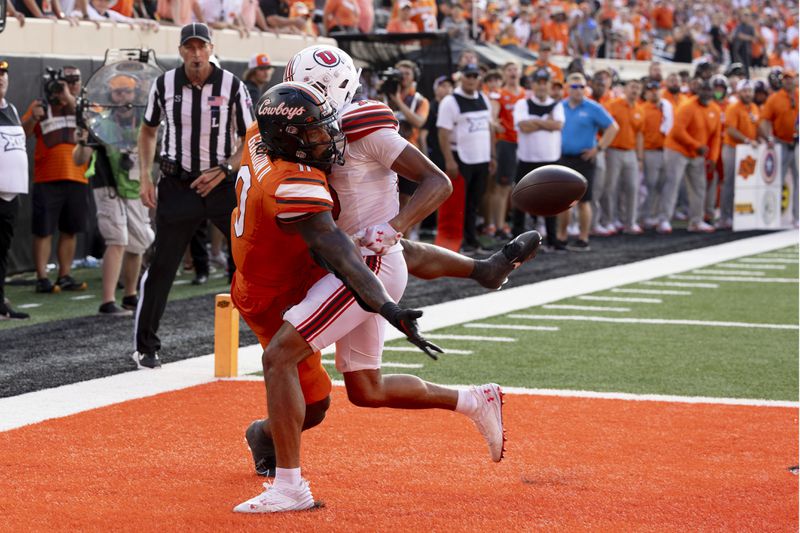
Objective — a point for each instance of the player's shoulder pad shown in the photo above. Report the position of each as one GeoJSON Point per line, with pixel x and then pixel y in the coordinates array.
{"type": "Point", "coordinates": [361, 118]}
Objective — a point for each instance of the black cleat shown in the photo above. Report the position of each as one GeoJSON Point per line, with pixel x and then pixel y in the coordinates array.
{"type": "Point", "coordinates": [493, 272]}
{"type": "Point", "coordinates": [146, 360]}
{"type": "Point", "coordinates": [262, 448]}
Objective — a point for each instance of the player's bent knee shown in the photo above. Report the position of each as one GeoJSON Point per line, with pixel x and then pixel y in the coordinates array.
{"type": "Point", "coordinates": [315, 413]}
{"type": "Point", "coordinates": [365, 388]}
{"type": "Point", "coordinates": [285, 350]}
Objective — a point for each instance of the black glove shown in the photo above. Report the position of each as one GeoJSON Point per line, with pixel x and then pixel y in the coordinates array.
{"type": "Point", "coordinates": [406, 321]}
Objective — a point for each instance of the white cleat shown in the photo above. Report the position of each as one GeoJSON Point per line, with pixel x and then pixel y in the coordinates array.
{"type": "Point", "coordinates": [279, 499]}
{"type": "Point", "coordinates": [489, 418]}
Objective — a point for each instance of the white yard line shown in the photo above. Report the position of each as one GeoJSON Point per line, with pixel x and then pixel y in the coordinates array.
{"type": "Point", "coordinates": [518, 327]}
{"type": "Point", "coordinates": [442, 336]}
{"type": "Point", "coordinates": [384, 364]}
{"type": "Point", "coordinates": [680, 284]}
{"type": "Point", "coordinates": [416, 350]}
{"type": "Point", "coordinates": [766, 260]}
{"type": "Point", "coordinates": [712, 272]}
{"type": "Point", "coordinates": [733, 278]}
{"type": "Point", "coordinates": [181, 282]}
{"type": "Point", "coordinates": [587, 308]}
{"type": "Point", "coordinates": [620, 299]}
{"type": "Point", "coordinates": [83, 297]}
{"type": "Point", "coordinates": [656, 321]}
{"type": "Point", "coordinates": [16, 411]}
{"type": "Point", "coordinates": [28, 306]}
{"type": "Point", "coordinates": [624, 396]}
{"type": "Point", "coordinates": [654, 291]}
{"type": "Point", "coordinates": [753, 267]}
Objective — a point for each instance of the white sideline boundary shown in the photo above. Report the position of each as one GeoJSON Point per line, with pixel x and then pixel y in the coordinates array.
{"type": "Point", "coordinates": [33, 407]}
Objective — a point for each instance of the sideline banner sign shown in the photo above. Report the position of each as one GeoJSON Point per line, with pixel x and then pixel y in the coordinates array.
{"type": "Point", "coordinates": [757, 189]}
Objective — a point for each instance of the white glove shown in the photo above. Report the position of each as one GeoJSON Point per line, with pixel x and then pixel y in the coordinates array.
{"type": "Point", "coordinates": [378, 238]}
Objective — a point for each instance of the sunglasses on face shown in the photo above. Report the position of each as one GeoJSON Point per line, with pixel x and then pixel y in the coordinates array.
{"type": "Point", "coordinates": [471, 75]}
{"type": "Point", "coordinates": [576, 86]}
{"type": "Point", "coordinates": [72, 79]}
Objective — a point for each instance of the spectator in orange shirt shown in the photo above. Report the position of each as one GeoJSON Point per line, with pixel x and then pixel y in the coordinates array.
{"type": "Point", "coordinates": [341, 16]}
{"type": "Point", "coordinates": [779, 124]}
{"type": "Point", "coordinates": [741, 126]}
{"type": "Point", "coordinates": [644, 52]}
{"type": "Point", "coordinates": [60, 188]}
{"type": "Point", "coordinates": [299, 11]}
{"type": "Point", "coordinates": [411, 110]}
{"type": "Point", "coordinates": [178, 12]}
{"type": "Point", "coordinates": [543, 61]}
{"type": "Point", "coordinates": [658, 118]}
{"type": "Point", "coordinates": [490, 26]}
{"type": "Point", "coordinates": [403, 22]}
{"type": "Point", "coordinates": [556, 30]}
{"type": "Point", "coordinates": [694, 137]}
{"type": "Point", "coordinates": [624, 159]}
{"type": "Point", "coordinates": [663, 17]}
{"type": "Point", "coordinates": [423, 14]}
{"type": "Point", "coordinates": [672, 90]}
{"type": "Point", "coordinates": [506, 150]}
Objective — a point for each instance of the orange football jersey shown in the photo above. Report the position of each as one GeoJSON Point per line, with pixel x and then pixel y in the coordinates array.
{"type": "Point", "coordinates": [269, 190]}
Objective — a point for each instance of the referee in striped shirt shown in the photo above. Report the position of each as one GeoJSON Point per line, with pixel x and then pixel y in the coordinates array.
{"type": "Point", "coordinates": [206, 111]}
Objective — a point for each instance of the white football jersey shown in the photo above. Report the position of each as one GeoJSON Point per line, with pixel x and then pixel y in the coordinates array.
{"type": "Point", "coordinates": [365, 188]}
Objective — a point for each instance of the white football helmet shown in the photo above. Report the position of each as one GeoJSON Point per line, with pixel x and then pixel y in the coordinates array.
{"type": "Point", "coordinates": [327, 69]}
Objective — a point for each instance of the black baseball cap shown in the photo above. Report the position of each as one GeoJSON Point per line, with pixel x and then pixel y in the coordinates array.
{"type": "Point", "coordinates": [541, 74]}
{"type": "Point", "coordinates": [195, 30]}
{"type": "Point", "coordinates": [470, 68]}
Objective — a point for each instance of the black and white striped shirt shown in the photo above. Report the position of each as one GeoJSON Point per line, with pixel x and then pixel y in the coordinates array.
{"type": "Point", "coordinates": [201, 123]}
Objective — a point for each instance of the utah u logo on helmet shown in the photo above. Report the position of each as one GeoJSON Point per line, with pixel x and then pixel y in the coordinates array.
{"type": "Point", "coordinates": [327, 58]}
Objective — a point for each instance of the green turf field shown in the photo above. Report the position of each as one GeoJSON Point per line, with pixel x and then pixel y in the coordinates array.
{"type": "Point", "coordinates": [46, 307]}
{"type": "Point", "coordinates": [695, 360]}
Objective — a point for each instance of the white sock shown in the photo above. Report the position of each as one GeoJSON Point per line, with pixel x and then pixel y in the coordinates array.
{"type": "Point", "coordinates": [467, 404]}
{"type": "Point", "coordinates": [287, 476]}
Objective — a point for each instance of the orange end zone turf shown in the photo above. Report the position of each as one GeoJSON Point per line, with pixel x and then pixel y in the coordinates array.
{"type": "Point", "coordinates": [178, 461]}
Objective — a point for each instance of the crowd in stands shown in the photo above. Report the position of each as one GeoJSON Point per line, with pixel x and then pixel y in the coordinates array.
{"type": "Point", "coordinates": [751, 32]}
{"type": "Point", "coordinates": [649, 159]}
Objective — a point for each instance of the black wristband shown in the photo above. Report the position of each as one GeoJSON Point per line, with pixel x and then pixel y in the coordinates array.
{"type": "Point", "coordinates": [389, 311]}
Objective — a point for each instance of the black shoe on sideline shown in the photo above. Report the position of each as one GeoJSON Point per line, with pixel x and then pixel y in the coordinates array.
{"type": "Point", "coordinates": [579, 246]}
{"type": "Point", "coordinates": [44, 285]}
{"type": "Point", "coordinates": [200, 279]}
{"type": "Point", "coordinates": [6, 313]}
{"type": "Point", "coordinates": [262, 448]}
{"type": "Point", "coordinates": [68, 283]}
{"type": "Point", "coordinates": [146, 360]}
{"type": "Point", "coordinates": [130, 302]}
{"type": "Point", "coordinates": [111, 309]}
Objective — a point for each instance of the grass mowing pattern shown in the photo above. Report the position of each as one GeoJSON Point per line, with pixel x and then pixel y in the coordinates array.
{"type": "Point", "coordinates": [640, 358]}
{"type": "Point", "coordinates": [60, 306]}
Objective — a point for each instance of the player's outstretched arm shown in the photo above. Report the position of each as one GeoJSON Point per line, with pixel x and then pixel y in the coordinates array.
{"type": "Point", "coordinates": [433, 189]}
{"type": "Point", "coordinates": [337, 250]}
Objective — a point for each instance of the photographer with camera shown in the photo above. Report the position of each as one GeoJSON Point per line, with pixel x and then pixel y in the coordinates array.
{"type": "Point", "coordinates": [60, 190]}
{"type": "Point", "coordinates": [399, 91]}
{"type": "Point", "coordinates": [122, 219]}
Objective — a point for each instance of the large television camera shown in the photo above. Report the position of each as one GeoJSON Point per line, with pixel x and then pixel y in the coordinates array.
{"type": "Point", "coordinates": [112, 103]}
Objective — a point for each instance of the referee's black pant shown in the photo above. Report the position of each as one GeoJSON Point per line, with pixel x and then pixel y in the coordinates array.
{"type": "Point", "coordinates": [179, 212]}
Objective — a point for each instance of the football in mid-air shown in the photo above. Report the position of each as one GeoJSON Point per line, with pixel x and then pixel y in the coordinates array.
{"type": "Point", "coordinates": [548, 190]}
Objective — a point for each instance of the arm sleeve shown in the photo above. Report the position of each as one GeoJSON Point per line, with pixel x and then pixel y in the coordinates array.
{"type": "Point", "coordinates": [301, 193]}
{"type": "Point", "coordinates": [152, 113]}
